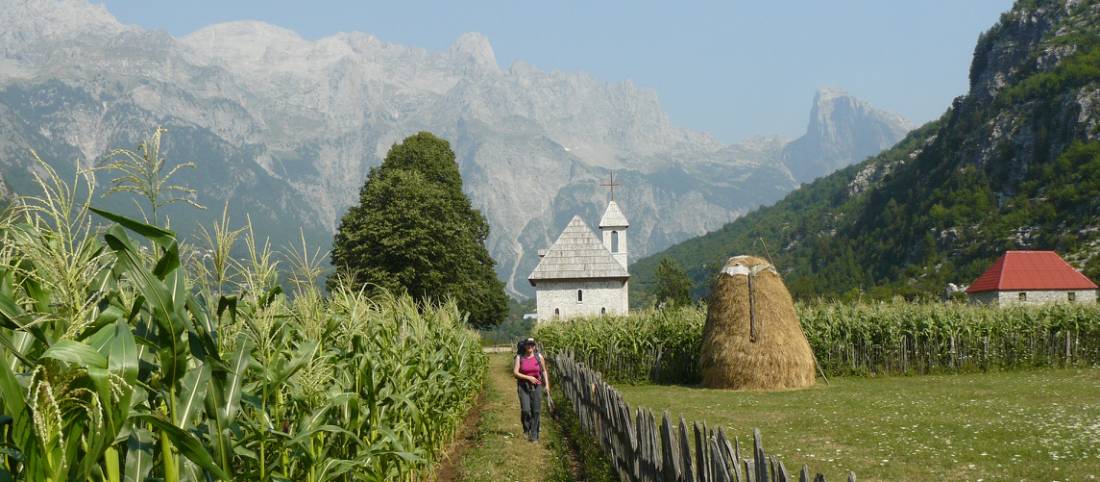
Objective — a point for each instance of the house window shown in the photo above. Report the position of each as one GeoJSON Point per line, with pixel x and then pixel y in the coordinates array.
{"type": "Point", "coordinates": [1023, 296]}
{"type": "Point", "coordinates": [557, 312]}
{"type": "Point", "coordinates": [614, 241]}
{"type": "Point", "coordinates": [603, 311]}
{"type": "Point", "coordinates": [1072, 296]}
{"type": "Point", "coordinates": [580, 296]}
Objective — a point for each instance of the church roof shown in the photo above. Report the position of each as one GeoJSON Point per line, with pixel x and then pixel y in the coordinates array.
{"type": "Point", "coordinates": [1030, 270]}
{"type": "Point", "coordinates": [613, 217]}
{"type": "Point", "coordinates": [577, 254]}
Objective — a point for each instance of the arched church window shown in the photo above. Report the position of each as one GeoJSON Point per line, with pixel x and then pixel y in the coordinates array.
{"type": "Point", "coordinates": [603, 311]}
{"type": "Point", "coordinates": [557, 312]}
{"type": "Point", "coordinates": [614, 241]}
{"type": "Point", "coordinates": [580, 296]}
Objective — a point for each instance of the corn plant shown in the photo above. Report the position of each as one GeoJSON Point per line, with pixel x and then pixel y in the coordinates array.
{"type": "Point", "coordinates": [125, 355]}
{"type": "Point", "coordinates": [142, 171]}
{"type": "Point", "coordinates": [657, 345]}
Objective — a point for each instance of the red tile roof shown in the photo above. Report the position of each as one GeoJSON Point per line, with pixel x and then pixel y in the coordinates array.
{"type": "Point", "coordinates": [1030, 270]}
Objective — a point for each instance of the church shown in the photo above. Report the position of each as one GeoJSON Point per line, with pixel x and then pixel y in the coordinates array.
{"type": "Point", "coordinates": [582, 274]}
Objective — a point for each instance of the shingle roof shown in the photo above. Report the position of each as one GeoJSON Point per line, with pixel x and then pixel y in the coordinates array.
{"type": "Point", "coordinates": [577, 254]}
{"type": "Point", "coordinates": [613, 217]}
{"type": "Point", "coordinates": [1030, 270]}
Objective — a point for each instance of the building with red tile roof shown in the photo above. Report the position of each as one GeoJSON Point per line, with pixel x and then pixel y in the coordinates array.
{"type": "Point", "coordinates": [1031, 277]}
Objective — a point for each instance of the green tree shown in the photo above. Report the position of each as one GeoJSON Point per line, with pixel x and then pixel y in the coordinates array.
{"type": "Point", "coordinates": [414, 230]}
{"type": "Point", "coordinates": [673, 286]}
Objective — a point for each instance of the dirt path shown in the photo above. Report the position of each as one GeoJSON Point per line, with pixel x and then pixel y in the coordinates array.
{"type": "Point", "coordinates": [497, 449]}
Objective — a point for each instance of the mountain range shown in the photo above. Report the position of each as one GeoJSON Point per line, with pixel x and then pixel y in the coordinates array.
{"type": "Point", "coordinates": [1013, 164]}
{"type": "Point", "coordinates": [285, 129]}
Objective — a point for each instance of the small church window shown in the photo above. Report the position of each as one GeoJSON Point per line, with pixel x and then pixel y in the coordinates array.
{"type": "Point", "coordinates": [1072, 296]}
{"type": "Point", "coordinates": [580, 296]}
{"type": "Point", "coordinates": [1023, 296]}
{"type": "Point", "coordinates": [603, 311]}
{"type": "Point", "coordinates": [614, 241]}
{"type": "Point", "coordinates": [557, 312]}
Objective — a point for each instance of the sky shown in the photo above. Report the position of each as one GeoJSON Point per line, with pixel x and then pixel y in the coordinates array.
{"type": "Point", "coordinates": [733, 69]}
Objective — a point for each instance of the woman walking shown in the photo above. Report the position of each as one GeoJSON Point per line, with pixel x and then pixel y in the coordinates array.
{"type": "Point", "coordinates": [531, 380]}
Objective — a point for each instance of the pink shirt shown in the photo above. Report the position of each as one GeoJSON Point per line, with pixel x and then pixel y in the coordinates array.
{"type": "Point", "coordinates": [530, 366]}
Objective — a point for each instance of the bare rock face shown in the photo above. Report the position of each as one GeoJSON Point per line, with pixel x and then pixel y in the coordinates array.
{"type": "Point", "coordinates": [842, 130]}
{"type": "Point", "coordinates": [286, 128]}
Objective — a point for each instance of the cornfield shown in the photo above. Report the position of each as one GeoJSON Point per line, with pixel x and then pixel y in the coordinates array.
{"type": "Point", "coordinates": [652, 345]}
{"type": "Point", "coordinates": [848, 339]}
{"type": "Point", "coordinates": [126, 355]}
{"type": "Point", "coordinates": [907, 338]}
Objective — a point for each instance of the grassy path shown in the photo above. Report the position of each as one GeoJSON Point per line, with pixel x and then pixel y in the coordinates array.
{"type": "Point", "coordinates": [497, 449]}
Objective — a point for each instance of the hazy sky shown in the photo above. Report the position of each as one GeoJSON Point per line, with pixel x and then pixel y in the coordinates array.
{"type": "Point", "coordinates": [733, 69]}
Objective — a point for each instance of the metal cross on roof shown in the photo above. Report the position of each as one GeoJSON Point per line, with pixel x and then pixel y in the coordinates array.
{"type": "Point", "coordinates": [611, 185]}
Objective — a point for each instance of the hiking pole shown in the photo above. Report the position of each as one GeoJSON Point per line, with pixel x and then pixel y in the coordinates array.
{"type": "Point", "coordinates": [549, 401]}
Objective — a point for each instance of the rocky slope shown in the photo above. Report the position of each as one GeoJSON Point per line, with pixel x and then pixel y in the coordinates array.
{"type": "Point", "coordinates": [1014, 164]}
{"type": "Point", "coordinates": [285, 129]}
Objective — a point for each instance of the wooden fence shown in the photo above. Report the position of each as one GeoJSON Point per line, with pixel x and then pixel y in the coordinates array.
{"type": "Point", "coordinates": [641, 450]}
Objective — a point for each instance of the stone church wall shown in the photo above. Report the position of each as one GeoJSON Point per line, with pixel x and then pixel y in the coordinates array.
{"type": "Point", "coordinates": [597, 297]}
{"type": "Point", "coordinates": [1005, 298]}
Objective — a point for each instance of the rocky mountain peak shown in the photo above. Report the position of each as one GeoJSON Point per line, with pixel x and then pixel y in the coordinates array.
{"type": "Point", "coordinates": [246, 40]}
{"type": "Point", "coordinates": [825, 95]}
{"type": "Point", "coordinates": [833, 105]}
{"type": "Point", "coordinates": [842, 130]}
{"type": "Point", "coordinates": [476, 49]}
{"type": "Point", "coordinates": [1032, 37]}
{"type": "Point", "coordinates": [248, 31]}
{"type": "Point", "coordinates": [38, 19]}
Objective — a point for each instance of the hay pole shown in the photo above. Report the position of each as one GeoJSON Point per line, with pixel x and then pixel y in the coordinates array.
{"type": "Point", "coordinates": [818, 365]}
{"type": "Point", "coordinates": [754, 331]}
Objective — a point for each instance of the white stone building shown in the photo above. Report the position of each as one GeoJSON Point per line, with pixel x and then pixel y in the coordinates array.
{"type": "Point", "coordinates": [1031, 277]}
{"type": "Point", "coordinates": [582, 275]}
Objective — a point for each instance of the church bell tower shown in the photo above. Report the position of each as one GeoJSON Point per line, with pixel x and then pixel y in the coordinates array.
{"type": "Point", "coordinates": [613, 226]}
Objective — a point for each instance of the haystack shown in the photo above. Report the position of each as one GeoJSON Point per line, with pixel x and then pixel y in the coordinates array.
{"type": "Point", "coordinates": [753, 339]}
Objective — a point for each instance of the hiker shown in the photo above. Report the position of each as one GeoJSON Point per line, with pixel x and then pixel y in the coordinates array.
{"type": "Point", "coordinates": [531, 380]}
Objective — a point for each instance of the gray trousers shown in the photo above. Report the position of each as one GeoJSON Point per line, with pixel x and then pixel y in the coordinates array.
{"type": "Point", "coordinates": [530, 407]}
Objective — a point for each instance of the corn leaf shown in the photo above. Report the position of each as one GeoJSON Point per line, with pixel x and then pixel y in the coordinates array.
{"type": "Point", "coordinates": [187, 444]}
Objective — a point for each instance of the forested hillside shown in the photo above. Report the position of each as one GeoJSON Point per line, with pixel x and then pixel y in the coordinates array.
{"type": "Point", "coordinates": [1014, 164]}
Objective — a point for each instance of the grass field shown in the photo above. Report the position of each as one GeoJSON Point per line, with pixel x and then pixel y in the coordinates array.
{"type": "Point", "coordinates": [1027, 425]}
